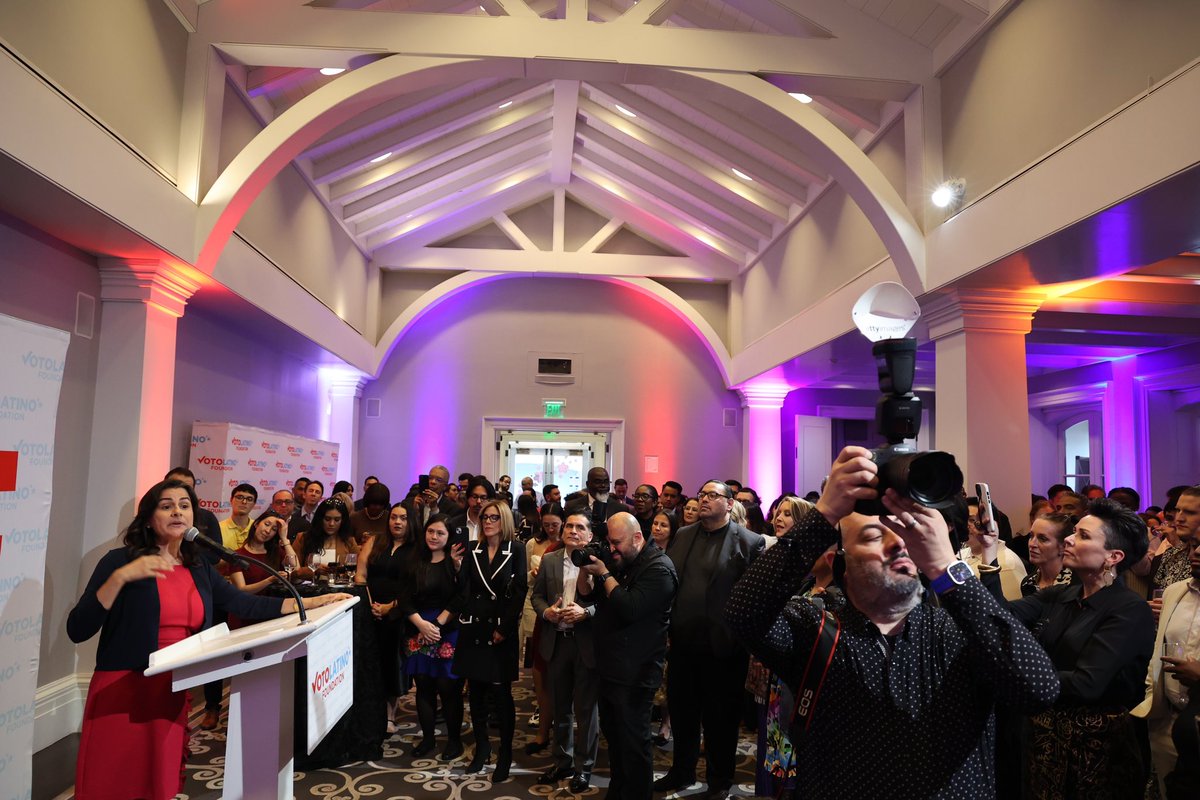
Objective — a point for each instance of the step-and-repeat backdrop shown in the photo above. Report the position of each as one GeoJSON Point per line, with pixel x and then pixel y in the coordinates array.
{"type": "Point", "coordinates": [32, 362]}
{"type": "Point", "coordinates": [224, 455]}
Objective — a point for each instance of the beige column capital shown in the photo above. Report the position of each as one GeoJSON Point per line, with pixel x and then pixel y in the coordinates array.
{"type": "Point", "coordinates": [763, 396]}
{"type": "Point", "coordinates": [154, 282]}
{"type": "Point", "coordinates": [992, 310]}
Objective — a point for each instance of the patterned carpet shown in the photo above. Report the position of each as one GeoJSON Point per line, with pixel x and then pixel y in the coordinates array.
{"type": "Point", "coordinates": [400, 777]}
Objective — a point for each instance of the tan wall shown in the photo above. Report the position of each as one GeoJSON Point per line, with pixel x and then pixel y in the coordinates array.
{"type": "Point", "coordinates": [711, 300]}
{"type": "Point", "coordinates": [1050, 69]}
{"type": "Point", "coordinates": [398, 289]}
{"type": "Point", "coordinates": [292, 227]}
{"type": "Point", "coordinates": [123, 60]}
{"type": "Point", "coordinates": [831, 245]}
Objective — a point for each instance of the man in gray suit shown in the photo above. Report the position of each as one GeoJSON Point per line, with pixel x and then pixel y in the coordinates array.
{"type": "Point", "coordinates": [566, 645]}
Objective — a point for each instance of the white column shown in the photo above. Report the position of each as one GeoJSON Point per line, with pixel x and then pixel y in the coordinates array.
{"type": "Point", "coordinates": [982, 399]}
{"type": "Point", "coordinates": [762, 446]}
{"type": "Point", "coordinates": [345, 394]}
{"type": "Point", "coordinates": [141, 302]}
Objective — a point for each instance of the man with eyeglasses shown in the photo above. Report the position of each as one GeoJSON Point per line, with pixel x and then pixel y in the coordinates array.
{"type": "Point", "coordinates": [479, 491]}
{"type": "Point", "coordinates": [645, 506]}
{"type": "Point", "coordinates": [706, 663]}
{"type": "Point", "coordinates": [236, 529]}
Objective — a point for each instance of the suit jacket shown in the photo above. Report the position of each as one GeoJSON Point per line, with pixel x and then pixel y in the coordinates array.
{"type": "Point", "coordinates": [496, 592]}
{"type": "Point", "coordinates": [630, 626]}
{"type": "Point", "coordinates": [297, 525]}
{"type": "Point", "coordinates": [546, 590]}
{"type": "Point", "coordinates": [741, 547]}
{"type": "Point", "coordinates": [445, 506]}
{"type": "Point", "coordinates": [583, 504]}
{"type": "Point", "coordinates": [1155, 703]}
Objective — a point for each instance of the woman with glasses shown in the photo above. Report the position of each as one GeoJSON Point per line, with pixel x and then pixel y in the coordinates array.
{"type": "Point", "coordinates": [487, 652]}
{"type": "Point", "coordinates": [691, 512]}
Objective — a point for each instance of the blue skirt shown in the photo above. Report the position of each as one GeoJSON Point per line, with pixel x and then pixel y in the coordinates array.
{"type": "Point", "coordinates": [431, 659]}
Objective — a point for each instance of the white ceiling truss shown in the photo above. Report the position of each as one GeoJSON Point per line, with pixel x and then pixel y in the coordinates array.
{"type": "Point", "coordinates": [679, 169]}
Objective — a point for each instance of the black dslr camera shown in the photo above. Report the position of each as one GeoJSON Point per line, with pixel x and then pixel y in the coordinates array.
{"type": "Point", "coordinates": [932, 478]}
{"type": "Point", "coordinates": [598, 548]}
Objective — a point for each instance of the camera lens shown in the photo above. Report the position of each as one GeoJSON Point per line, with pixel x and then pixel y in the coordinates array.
{"type": "Point", "coordinates": [934, 479]}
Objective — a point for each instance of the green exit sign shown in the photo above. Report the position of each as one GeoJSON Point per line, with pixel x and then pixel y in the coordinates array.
{"type": "Point", "coordinates": [553, 409]}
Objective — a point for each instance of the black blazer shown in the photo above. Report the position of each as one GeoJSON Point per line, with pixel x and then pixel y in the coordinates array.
{"type": "Point", "coordinates": [742, 546]}
{"type": "Point", "coordinates": [129, 630]}
{"type": "Point", "coordinates": [496, 592]}
{"type": "Point", "coordinates": [630, 626]}
{"type": "Point", "coordinates": [583, 504]}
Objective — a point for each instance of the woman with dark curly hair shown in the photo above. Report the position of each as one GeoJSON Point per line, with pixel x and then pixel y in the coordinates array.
{"type": "Point", "coordinates": [382, 564]}
{"type": "Point", "coordinates": [329, 538]}
{"type": "Point", "coordinates": [433, 596]}
{"type": "Point", "coordinates": [152, 592]}
{"type": "Point", "coordinates": [1100, 636]}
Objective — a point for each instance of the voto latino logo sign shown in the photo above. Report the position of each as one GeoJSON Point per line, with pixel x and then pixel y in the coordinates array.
{"type": "Point", "coordinates": [240, 444]}
{"type": "Point", "coordinates": [199, 439]}
{"type": "Point", "coordinates": [9, 501]}
{"type": "Point", "coordinates": [35, 453]}
{"type": "Point", "coordinates": [15, 408]}
{"type": "Point", "coordinates": [218, 463]}
{"type": "Point", "coordinates": [270, 447]}
{"type": "Point", "coordinates": [47, 368]}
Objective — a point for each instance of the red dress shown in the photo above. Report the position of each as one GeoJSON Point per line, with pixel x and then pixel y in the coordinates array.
{"type": "Point", "coordinates": [135, 735]}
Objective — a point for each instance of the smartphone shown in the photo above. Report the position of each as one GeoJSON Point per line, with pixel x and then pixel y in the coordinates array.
{"type": "Point", "coordinates": [987, 514]}
{"type": "Point", "coordinates": [423, 483]}
{"type": "Point", "coordinates": [459, 536]}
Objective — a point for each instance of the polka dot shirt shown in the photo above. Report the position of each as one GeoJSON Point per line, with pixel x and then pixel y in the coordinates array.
{"type": "Point", "coordinates": [905, 716]}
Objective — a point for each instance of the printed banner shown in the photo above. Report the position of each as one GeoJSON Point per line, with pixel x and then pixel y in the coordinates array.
{"type": "Point", "coordinates": [329, 677]}
{"type": "Point", "coordinates": [32, 361]}
{"type": "Point", "coordinates": [224, 454]}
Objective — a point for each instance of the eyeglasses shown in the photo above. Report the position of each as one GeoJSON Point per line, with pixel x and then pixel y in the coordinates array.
{"type": "Point", "coordinates": [245, 498]}
{"type": "Point", "coordinates": [641, 496]}
{"type": "Point", "coordinates": [490, 517]}
{"type": "Point", "coordinates": [288, 502]}
{"type": "Point", "coordinates": [479, 497]}
{"type": "Point", "coordinates": [711, 496]}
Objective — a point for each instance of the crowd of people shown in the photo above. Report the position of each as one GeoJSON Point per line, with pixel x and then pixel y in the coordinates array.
{"type": "Point", "coordinates": [918, 653]}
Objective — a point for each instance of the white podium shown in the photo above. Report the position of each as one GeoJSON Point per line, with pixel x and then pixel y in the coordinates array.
{"type": "Point", "coordinates": [259, 751]}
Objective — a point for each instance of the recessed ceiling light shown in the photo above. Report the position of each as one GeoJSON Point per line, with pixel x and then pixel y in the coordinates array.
{"type": "Point", "coordinates": [506, 104]}
{"type": "Point", "coordinates": [626, 111]}
{"type": "Point", "coordinates": [801, 96]}
{"type": "Point", "coordinates": [332, 70]}
{"type": "Point", "coordinates": [948, 192]}
{"type": "Point", "coordinates": [383, 157]}
{"type": "Point", "coordinates": [742, 175]}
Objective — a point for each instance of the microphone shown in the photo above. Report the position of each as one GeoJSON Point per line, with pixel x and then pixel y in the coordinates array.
{"type": "Point", "coordinates": [193, 534]}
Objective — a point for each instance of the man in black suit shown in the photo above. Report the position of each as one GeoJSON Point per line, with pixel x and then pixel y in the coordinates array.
{"type": "Point", "coordinates": [633, 612]}
{"type": "Point", "coordinates": [599, 505]}
{"type": "Point", "coordinates": [433, 500]}
{"type": "Point", "coordinates": [465, 524]}
{"type": "Point", "coordinates": [708, 666]}
{"type": "Point", "coordinates": [567, 647]}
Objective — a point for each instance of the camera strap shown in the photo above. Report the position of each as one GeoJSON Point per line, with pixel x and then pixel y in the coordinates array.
{"type": "Point", "coordinates": [808, 691]}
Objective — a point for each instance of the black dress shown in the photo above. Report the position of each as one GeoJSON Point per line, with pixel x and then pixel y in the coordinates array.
{"type": "Point", "coordinates": [496, 590]}
{"type": "Point", "coordinates": [385, 581]}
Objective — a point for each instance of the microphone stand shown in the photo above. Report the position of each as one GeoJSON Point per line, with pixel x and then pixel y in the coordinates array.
{"type": "Point", "coordinates": [194, 535]}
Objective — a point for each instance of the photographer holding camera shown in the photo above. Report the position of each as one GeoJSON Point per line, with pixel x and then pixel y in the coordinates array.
{"type": "Point", "coordinates": [633, 611]}
{"type": "Point", "coordinates": [917, 681]}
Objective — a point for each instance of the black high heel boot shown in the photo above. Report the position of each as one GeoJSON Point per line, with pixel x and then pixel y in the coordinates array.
{"type": "Point", "coordinates": [503, 763]}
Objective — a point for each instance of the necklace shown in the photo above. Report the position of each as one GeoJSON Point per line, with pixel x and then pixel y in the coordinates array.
{"type": "Point", "coordinates": [368, 515]}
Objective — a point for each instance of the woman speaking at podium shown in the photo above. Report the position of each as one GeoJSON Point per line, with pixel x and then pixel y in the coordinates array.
{"type": "Point", "coordinates": [153, 592]}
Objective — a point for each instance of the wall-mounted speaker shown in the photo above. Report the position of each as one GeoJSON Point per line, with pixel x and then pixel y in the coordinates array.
{"type": "Point", "coordinates": [85, 315]}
